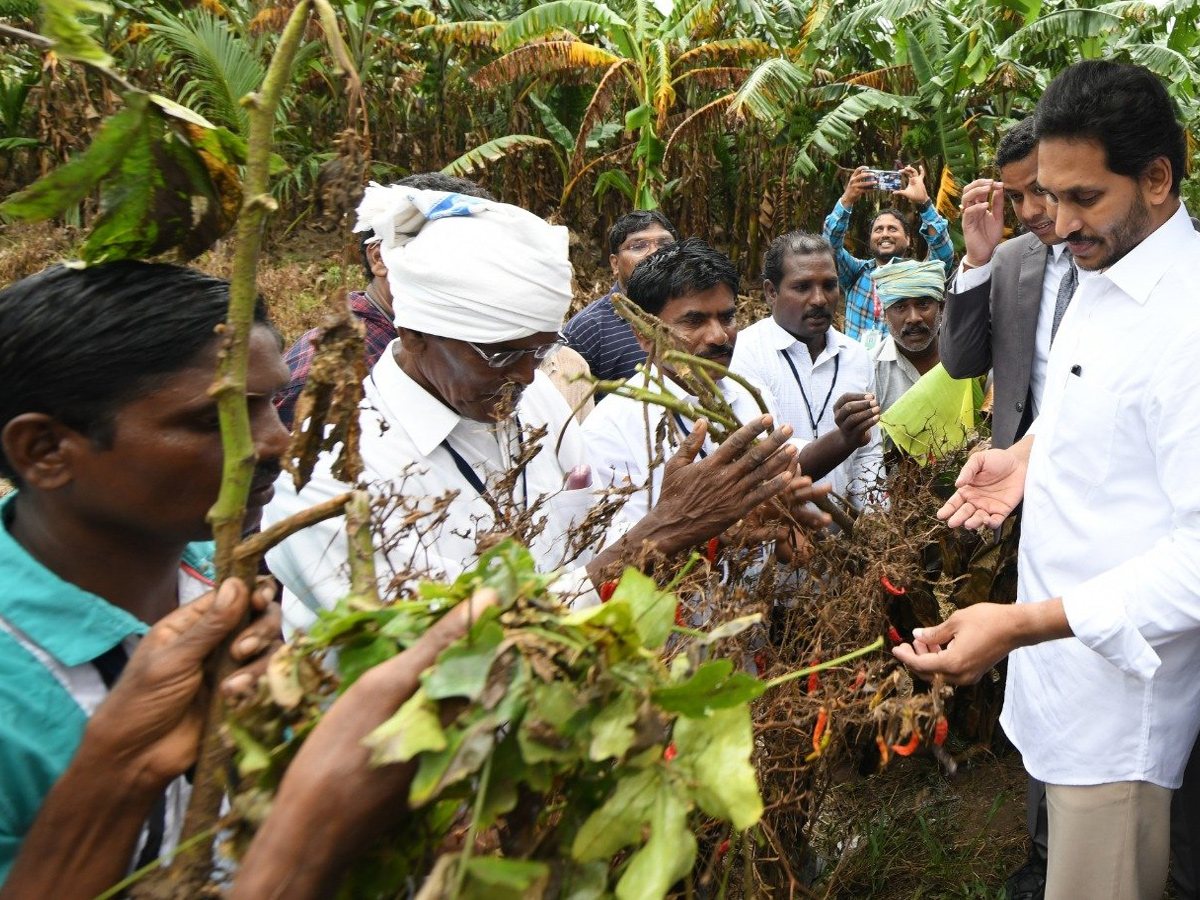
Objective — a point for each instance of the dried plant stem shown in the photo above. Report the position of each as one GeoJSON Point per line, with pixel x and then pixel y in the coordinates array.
{"type": "Point", "coordinates": [254, 547]}
{"type": "Point", "coordinates": [363, 584]}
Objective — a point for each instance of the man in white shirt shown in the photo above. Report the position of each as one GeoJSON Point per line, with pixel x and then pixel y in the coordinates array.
{"type": "Point", "coordinates": [821, 379]}
{"type": "Point", "coordinates": [691, 288]}
{"type": "Point", "coordinates": [451, 420]}
{"type": "Point", "coordinates": [1103, 695]}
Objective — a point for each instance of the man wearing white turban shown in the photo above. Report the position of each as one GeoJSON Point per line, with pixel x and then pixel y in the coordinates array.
{"type": "Point", "coordinates": [453, 410]}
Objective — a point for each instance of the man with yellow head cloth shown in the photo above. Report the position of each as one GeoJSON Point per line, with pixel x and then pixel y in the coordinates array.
{"type": "Point", "coordinates": [911, 294]}
{"type": "Point", "coordinates": [463, 437]}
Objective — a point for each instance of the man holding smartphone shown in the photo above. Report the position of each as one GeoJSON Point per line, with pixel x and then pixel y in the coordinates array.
{"type": "Point", "coordinates": [890, 239]}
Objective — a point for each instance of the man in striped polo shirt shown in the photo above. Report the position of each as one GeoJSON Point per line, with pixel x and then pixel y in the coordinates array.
{"type": "Point", "coordinates": [596, 332]}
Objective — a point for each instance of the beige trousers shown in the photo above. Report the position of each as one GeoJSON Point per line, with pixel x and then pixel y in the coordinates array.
{"type": "Point", "coordinates": [1108, 841]}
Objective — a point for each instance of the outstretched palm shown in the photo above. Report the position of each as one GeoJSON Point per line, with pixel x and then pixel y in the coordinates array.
{"type": "Point", "coordinates": [990, 486]}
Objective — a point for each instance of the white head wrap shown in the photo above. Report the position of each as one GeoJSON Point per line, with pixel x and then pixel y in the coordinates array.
{"type": "Point", "coordinates": [466, 268]}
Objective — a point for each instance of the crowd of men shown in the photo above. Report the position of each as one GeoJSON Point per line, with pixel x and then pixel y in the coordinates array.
{"type": "Point", "coordinates": [112, 441]}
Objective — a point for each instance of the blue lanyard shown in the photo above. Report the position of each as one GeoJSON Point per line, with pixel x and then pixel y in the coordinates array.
{"type": "Point", "coordinates": [472, 477]}
{"type": "Point", "coordinates": [686, 431]}
{"type": "Point", "coordinates": [813, 420]}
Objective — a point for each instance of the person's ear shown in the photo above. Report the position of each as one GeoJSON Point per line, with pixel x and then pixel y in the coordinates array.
{"type": "Point", "coordinates": [375, 259]}
{"type": "Point", "coordinates": [41, 450]}
{"type": "Point", "coordinates": [1157, 179]}
{"type": "Point", "coordinates": [770, 292]}
{"type": "Point", "coordinates": [612, 261]}
{"type": "Point", "coordinates": [413, 342]}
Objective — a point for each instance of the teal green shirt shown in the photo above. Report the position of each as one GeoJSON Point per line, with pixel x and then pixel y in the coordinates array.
{"type": "Point", "coordinates": [41, 722]}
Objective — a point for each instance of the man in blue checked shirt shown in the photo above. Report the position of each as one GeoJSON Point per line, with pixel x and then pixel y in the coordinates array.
{"type": "Point", "coordinates": [890, 239]}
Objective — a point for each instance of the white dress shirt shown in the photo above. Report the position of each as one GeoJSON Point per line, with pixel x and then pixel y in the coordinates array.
{"type": "Point", "coordinates": [759, 356]}
{"type": "Point", "coordinates": [1112, 525]}
{"type": "Point", "coordinates": [1056, 267]}
{"type": "Point", "coordinates": [629, 441]}
{"type": "Point", "coordinates": [404, 433]}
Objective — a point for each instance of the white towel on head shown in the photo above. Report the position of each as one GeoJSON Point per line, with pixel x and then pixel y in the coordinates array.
{"type": "Point", "coordinates": [466, 268]}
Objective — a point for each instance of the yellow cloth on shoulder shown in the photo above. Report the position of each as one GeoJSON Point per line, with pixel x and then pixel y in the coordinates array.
{"type": "Point", "coordinates": [934, 416]}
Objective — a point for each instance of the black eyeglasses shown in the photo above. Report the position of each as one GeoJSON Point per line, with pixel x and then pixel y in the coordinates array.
{"type": "Point", "coordinates": [502, 359]}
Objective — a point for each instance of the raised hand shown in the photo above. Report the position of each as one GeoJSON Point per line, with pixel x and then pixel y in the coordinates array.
{"type": "Point", "coordinates": [855, 415]}
{"type": "Point", "coordinates": [861, 180]}
{"type": "Point", "coordinates": [915, 191]}
{"type": "Point", "coordinates": [982, 219]}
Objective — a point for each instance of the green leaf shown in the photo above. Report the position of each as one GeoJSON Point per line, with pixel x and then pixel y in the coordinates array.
{"type": "Point", "coordinates": [637, 117]}
{"type": "Point", "coordinates": [557, 129]}
{"type": "Point", "coordinates": [714, 686]}
{"type": "Point", "coordinates": [584, 882]}
{"type": "Point", "coordinates": [72, 39]}
{"type": "Point", "coordinates": [618, 823]}
{"type": "Point", "coordinates": [252, 756]}
{"type": "Point", "coordinates": [466, 750]}
{"type": "Point", "coordinates": [503, 878]}
{"type": "Point", "coordinates": [612, 729]}
{"type": "Point", "coordinates": [546, 732]}
{"type": "Point", "coordinates": [714, 753]}
{"type": "Point", "coordinates": [493, 150]}
{"type": "Point", "coordinates": [613, 178]}
{"type": "Point", "coordinates": [565, 14]}
{"type": "Point", "coordinates": [667, 856]}
{"type": "Point", "coordinates": [462, 668]}
{"type": "Point", "coordinates": [653, 609]}
{"type": "Point", "coordinates": [69, 184]}
{"type": "Point", "coordinates": [414, 728]}
{"type": "Point", "coordinates": [362, 653]}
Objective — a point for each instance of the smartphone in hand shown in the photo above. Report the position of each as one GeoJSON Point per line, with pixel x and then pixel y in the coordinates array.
{"type": "Point", "coordinates": [887, 179]}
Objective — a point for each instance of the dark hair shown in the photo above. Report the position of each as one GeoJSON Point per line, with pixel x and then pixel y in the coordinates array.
{"type": "Point", "coordinates": [899, 216]}
{"type": "Point", "coordinates": [679, 270]}
{"type": "Point", "coordinates": [794, 243]}
{"type": "Point", "coordinates": [632, 223]}
{"type": "Point", "coordinates": [427, 181]}
{"type": "Point", "coordinates": [1018, 142]}
{"type": "Point", "coordinates": [77, 344]}
{"type": "Point", "coordinates": [1123, 108]}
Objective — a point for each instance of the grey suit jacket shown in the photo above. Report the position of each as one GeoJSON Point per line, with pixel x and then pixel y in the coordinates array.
{"type": "Point", "coordinates": [993, 326]}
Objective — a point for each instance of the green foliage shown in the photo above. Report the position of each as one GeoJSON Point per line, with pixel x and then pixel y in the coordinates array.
{"type": "Point", "coordinates": [72, 38]}
{"type": "Point", "coordinates": [571, 708]}
{"type": "Point", "coordinates": [210, 64]}
{"type": "Point", "coordinates": [166, 182]}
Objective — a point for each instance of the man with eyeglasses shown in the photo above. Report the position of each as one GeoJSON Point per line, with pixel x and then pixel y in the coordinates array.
{"type": "Point", "coordinates": [596, 332]}
{"type": "Point", "coordinates": [463, 440]}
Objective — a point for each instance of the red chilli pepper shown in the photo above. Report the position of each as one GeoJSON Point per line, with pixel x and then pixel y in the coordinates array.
{"type": "Point", "coordinates": [760, 661]}
{"type": "Point", "coordinates": [819, 731]}
{"type": "Point", "coordinates": [883, 749]}
{"type": "Point", "coordinates": [860, 679]}
{"type": "Point", "coordinates": [814, 679]}
{"type": "Point", "coordinates": [909, 748]}
{"type": "Point", "coordinates": [894, 635]}
{"type": "Point", "coordinates": [607, 588]}
{"type": "Point", "coordinates": [679, 616]}
{"type": "Point", "coordinates": [670, 753]}
{"type": "Point", "coordinates": [722, 849]}
{"type": "Point", "coordinates": [940, 730]}
{"type": "Point", "coordinates": [711, 549]}
{"type": "Point", "coordinates": [891, 588]}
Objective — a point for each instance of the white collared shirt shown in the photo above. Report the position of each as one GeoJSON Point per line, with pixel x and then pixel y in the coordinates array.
{"type": "Point", "coordinates": [1112, 525]}
{"type": "Point", "coordinates": [629, 441]}
{"type": "Point", "coordinates": [1056, 268]}
{"type": "Point", "coordinates": [759, 356]}
{"type": "Point", "coordinates": [404, 457]}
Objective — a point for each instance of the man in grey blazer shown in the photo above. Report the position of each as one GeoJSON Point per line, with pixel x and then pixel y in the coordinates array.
{"type": "Point", "coordinates": [1000, 309]}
